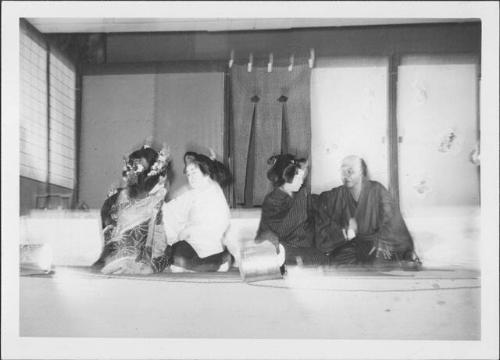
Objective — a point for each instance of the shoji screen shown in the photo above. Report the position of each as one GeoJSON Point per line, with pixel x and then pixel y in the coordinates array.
{"type": "Point", "coordinates": [438, 126]}
{"type": "Point", "coordinates": [348, 116]}
{"type": "Point", "coordinates": [33, 107]}
{"type": "Point", "coordinates": [62, 122]}
{"type": "Point", "coordinates": [46, 154]}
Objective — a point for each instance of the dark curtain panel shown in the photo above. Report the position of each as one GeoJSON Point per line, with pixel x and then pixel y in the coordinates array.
{"type": "Point", "coordinates": [280, 118]}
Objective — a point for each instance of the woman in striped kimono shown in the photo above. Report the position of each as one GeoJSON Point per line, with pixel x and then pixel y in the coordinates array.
{"type": "Point", "coordinates": [286, 212]}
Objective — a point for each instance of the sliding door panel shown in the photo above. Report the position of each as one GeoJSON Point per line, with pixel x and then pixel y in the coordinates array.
{"type": "Point", "coordinates": [349, 116]}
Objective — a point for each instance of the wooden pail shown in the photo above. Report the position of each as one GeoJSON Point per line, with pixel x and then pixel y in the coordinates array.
{"type": "Point", "coordinates": [261, 261]}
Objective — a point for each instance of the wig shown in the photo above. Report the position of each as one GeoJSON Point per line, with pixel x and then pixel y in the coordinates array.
{"type": "Point", "coordinates": [283, 169]}
{"type": "Point", "coordinates": [139, 179]}
{"type": "Point", "coordinates": [216, 170]}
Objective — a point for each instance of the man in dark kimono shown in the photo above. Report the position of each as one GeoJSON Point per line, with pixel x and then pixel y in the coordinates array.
{"type": "Point", "coordinates": [358, 222]}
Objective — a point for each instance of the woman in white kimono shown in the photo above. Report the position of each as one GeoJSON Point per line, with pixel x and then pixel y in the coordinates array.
{"type": "Point", "coordinates": [195, 222]}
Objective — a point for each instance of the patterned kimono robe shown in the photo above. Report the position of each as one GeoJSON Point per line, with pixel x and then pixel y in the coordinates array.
{"type": "Point", "coordinates": [134, 239]}
{"type": "Point", "coordinates": [379, 220]}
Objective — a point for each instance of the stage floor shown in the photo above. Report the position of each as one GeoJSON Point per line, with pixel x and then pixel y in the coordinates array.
{"type": "Point", "coordinates": [439, 304]}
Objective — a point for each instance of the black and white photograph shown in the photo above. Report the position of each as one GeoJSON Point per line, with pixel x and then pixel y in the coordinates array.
{"type": "Point", "coordinates": [250, 180]}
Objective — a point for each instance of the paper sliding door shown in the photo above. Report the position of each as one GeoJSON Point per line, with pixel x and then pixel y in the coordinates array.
{"type": "Point", "coordinates": [348, 116]}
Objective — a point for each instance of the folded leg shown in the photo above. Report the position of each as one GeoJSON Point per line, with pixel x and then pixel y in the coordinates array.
{"type": "Point", "coordinates": [183, 255]}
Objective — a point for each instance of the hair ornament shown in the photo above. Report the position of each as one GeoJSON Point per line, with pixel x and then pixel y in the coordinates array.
{"type": "Point", "coordinates": [212, 155]}
{"type": "Point", "coordinates": [112, 191]}
{"type": "Point", "coordinates": [272, 160]}
{"type": "Point", "coordinates": [126, 165]}
{"type": "Point", "coordinates": [148, 142]}
{"type": "Point", "coordinates": [162, 162]}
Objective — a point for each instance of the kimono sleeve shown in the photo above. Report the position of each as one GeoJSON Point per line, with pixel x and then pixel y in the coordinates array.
{"type": "Point", "coordinates": [208, 220]}
{"type": "Point", "coordinates": [175, 215]}
{"type": "Point", "coordinates": [328, 230]}
{"type": "Point", "coordinates": [280, 217]}
{"type": "Point", "coordinates": [391, 228]}
{"type": "Point", "coordinates": [107, 210]}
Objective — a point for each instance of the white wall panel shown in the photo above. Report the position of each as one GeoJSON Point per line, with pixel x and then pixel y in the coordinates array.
{"type": "Point", "coordinates": [438, 125]}
{"type": "Point", "coordinates": [348, 116]}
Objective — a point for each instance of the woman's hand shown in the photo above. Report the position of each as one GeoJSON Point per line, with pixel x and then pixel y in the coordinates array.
{"type": "Point", "coordinates": [108, 230]}
{"type": "Point", "coordinates": [270, 237]}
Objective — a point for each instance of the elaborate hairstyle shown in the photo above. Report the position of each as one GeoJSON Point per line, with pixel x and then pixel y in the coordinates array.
{"type": "Point", "coordinates": [211, 167]}
{"type": "Point", "coordinates": [283, 169]}
{"type": "Point", "coordinates": [140, 179]}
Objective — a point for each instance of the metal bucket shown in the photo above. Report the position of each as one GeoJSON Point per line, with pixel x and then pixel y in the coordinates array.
{"type": "Point", "coordinates": [261, 261]}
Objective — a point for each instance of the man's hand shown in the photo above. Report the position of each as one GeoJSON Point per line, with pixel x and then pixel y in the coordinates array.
{"type": "Point", "coordinates": [352, 229]}
{"type": "Point", "coordinates": [353, 225]}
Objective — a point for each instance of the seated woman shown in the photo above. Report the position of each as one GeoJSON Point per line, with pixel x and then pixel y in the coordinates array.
{"type": "Point", "coordinates": [196, 220]}
{"type": "Point", "coordinates": [286, 209]}
{"type": "Point", "coordinates": [134, 240]}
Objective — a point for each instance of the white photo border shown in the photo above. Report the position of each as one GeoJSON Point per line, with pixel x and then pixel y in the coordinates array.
{"type": "Point", "coordinates": [14, 346]}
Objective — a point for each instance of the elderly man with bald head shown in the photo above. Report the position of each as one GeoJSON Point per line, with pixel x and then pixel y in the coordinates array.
{"type": "Point", "coordinates": [358, 222]}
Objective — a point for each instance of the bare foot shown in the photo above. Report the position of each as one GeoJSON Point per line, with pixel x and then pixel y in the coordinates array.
{"type": "Point", "coordinates": [226, 263]}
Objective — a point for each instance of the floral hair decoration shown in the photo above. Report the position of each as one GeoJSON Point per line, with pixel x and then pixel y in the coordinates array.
{"type": "Point", "coordinates": [161, 163]}
{"type": "Point", "coordinates": [159, 166]}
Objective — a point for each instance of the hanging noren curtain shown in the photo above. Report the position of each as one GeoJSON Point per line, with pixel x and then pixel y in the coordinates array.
{"type": "Point", "coordinates": [250, 168]}
{"type": "Point", "coordinates": [284, 124]}
{"type": "Point", "coordinates": [270, 115]}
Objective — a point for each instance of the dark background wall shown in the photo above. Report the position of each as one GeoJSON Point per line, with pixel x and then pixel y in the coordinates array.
{"type": "Point", "coordinates": [120, 110]}
{"type": "Point", "coordinates": [371, 40]}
